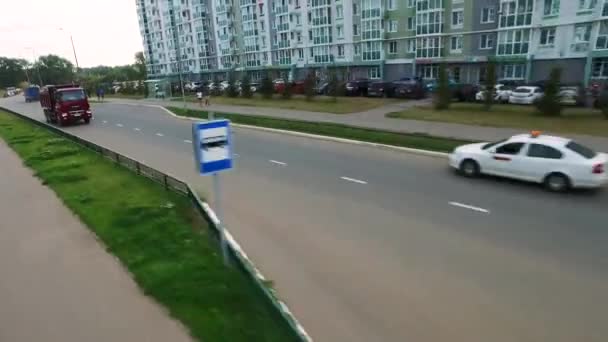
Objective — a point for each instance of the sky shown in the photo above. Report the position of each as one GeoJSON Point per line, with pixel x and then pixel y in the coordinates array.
{"type": "Point", "coordinates": [105, 32]}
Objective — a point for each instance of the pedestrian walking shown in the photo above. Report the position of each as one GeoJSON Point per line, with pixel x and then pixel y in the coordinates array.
{"type": "Point", "coordinates": [101, 93]}
{"type": "Point", "coordinates": [98, 92]}
{"type": "Point", "coordinates": [206, 95]}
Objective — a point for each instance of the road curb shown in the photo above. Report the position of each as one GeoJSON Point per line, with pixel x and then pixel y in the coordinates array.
{"type": "Point", "coordinates": [427, 153]}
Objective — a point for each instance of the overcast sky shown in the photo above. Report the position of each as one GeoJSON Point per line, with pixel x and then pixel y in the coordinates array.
{"type": "Point", "coordinates": [105, 32]}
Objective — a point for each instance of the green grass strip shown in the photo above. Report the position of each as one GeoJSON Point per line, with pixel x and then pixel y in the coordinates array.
{"type": "Point", "coordinates": [418, 141]}
{"type": "Point", "coordinates": [156, 235]}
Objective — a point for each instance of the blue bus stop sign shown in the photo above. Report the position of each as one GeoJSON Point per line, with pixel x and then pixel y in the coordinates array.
{"type": "Point", "coordinates": [212, 144]}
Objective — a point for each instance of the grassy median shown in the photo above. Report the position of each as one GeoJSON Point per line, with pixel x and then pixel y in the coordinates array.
{"type": "Point", "coordinates": [154, 233]}
{"type": "Point", "coordinates": [574, 120]}
{"type": "Point", "coordinates": [419, 141]}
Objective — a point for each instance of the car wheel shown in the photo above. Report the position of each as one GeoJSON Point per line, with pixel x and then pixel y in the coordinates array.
{"type": "Point", "coordinates": [469, 168]}
{"type": "Point", "coordinates": [557, 182]}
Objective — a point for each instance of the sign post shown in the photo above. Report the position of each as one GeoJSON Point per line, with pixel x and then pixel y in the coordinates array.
{"type": "Point", "coordinates": [212, 144]}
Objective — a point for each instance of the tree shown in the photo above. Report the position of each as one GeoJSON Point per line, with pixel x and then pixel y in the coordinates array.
{"type": "Point", "coordinates": [231, 90]}
{"type": "Point", "coordinates": [490, 91]}
{"type": "Point", "coordinates": [216, 90]}
{"type": "Point", "coordinates": [333, 85]}
{"type": "Point", "coordinates": [267, 87]}
{"type": "Point", "coordinates": [246, 86]}
{"type": "Point", "coordinates": [550, 103]}
{"type": "Point", "coordinates": [309, 85]}
{"type": "Point", "coordinates": [54, 69]}
{"type": "Point", "coordinates": [12, 71]}
{"type": "Point", "coordinates": [140, 65]}
{"type": "Point", "coordinates": [287, 90]}
{"type": "Point", "coordinates": [444, 94]}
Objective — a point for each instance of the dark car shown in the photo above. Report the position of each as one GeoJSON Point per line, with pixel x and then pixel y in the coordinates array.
{"type": "Point", "coordinates": [380, 89]}
{"type": "Point", "coordinates": [409, 89]}
{"type": "Point", "coordinates": [357, 87]}
{"type": "Point", "coordinates": [322, 88]}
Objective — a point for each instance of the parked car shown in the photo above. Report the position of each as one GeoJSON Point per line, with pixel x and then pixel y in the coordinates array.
{"type": "Point", "coordinates": [572, 95]}
{"type": "Point", "coordinates": [380, 89]}
{"type": "Point", "coordinates": [298, 87]}
{"type": "Point", "coordinates": [502, 93]}
{"type": "Point", "coordinates": [278, 85]}
{"type": "Point", "coordinates": [525, 95]}
{"type": "Point", "coordinates": [558, 163]}
{"type": "Point", "coordinates": [322, 88]}
{"type": "Point", "coordinates": [460, 91]}
{"type": "Point", "coordinates": [408, 89]}
{"type": "Point", "coordinates": [357, 87]}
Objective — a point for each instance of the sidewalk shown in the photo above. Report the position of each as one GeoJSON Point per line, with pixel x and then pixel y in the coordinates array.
{"type": "Point", "coordinates": [375, 119]}
{"type": "Point", "coordinates": [57, 283]}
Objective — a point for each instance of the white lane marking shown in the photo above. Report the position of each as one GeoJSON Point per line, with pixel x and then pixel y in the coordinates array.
{"type": "Point", "coordinates": [470, 207]}
{"type": "Point", "coordinates": [354, 180]}
{"type": "Point", "coordinates": [236, 155]}
{"type": "Point", "coordinates": [160, 134]}
{"type": "Point", "coordinates": [136, 129]}
{"type": "Point", "coordinates": [119, 125]}
{"type": "Point", "coordinates": [277, 162]}
{"type": "Point", "coordinates": [188, 141]}
{"type": "Point", "coordinates": [105, 122]}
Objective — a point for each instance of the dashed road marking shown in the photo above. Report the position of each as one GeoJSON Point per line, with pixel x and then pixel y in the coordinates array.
{"type": "Point", "coordinates": [470, 207]}
{"type": "Point", "coordinates": [119, 125]}
{"type": "Point", "coordinates": [160, 134]}
{"type": "Point", "coordinates": [136, 129]}
{"type": "Point", "coordinates": [188, 141]}
{"type": "Point", "coordinates": [105, 122]}
{"type": "Point", "coordinates": [278, 162]}
{"type": "Point", "coordinates": [358, 181]}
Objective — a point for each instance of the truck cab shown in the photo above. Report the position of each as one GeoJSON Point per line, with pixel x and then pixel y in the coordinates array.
{"type": "Point", "coordinates": [65, 104]}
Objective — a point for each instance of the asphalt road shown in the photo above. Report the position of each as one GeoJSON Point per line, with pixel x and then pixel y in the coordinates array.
{"type": "Point", "coordinates": [372, 245]}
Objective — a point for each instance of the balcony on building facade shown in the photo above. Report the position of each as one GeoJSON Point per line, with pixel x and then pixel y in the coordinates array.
{"type": "Point", "coordinates": [283, 44]}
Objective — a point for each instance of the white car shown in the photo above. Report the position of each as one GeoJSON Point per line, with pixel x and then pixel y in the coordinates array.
{"type": "Point", "coordinates": [558, 163]}
{"type": "Point", "coordinates": [502, 93]}
{"type": "Point", "coordinates": [525, 95]}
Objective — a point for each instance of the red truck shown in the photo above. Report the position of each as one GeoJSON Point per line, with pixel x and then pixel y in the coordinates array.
{"type": "Point", "coordinates": [65, 104]}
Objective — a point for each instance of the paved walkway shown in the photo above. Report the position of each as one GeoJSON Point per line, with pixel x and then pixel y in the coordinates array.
{"type": "Point", "coordinates": [57, 283]}
{"type": "Point", "coordinates": [375, 118]}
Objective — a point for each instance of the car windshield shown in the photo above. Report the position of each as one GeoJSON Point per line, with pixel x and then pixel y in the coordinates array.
{"type": "Point", "coordinates": [582, 150]}
{"type": "Point", "coordinates": [72, 95]}
{"type": "Point", "coordinates": [488, 145]}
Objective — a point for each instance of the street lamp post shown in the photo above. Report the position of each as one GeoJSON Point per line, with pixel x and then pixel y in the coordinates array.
{"type": "Point", "coordinates": [73, 48]}
{"type": "Point", "coordinates": [34, 63]}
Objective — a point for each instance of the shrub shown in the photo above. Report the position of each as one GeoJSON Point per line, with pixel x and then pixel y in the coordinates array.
{"type": "Point", "coordinates": [287, 91]}
{"type": "Point", "coordinates": [309, 85]}
{"type": "Point", "coordinates": [444, 94]}
{"type": "Point", "coordinates": [231, 90]}
{"type": "Point", "coordinates": [216, 90]}
{"type": "Point", "coordinates": [550, 103]}
{"type": "Point", "coordinates": [246, 87]}
{"type": "Point", "coordinates": [333, 86]}
{"type": "Point", "coordinates": [266, 88]}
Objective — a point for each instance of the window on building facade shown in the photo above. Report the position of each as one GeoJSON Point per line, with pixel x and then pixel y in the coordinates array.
{"type": "Point", "coordinates": [429, 22]}
{"type": "Point", "coordinates": [488, 15]}
{"type": "Point", "coordinates": [391, 5]}
{"type": "Point", "coordinates": [411, 46]}
{"type": "Point", "coordinates": [605, 9]}
{"type": "Point", "coordinates": [300, 54]}
{"type": "Point", "coordinates": [355, 30]}
{"type": "Point", "coordinates": [454, 73]}
{"type": "Point", "coordinates": [599, 68]}
{"type": "Point", "coordinates": [371, 51]}
{"type": "Point", "coordinates": [551, 7]}
{"type": "Point", "coordinates": [373, 73]}
{"type": "Point", "coordinates": [339, 12]}
{"type": "Point", "coordinates": [513, 71]}
{"type": "Point", "coordinates": [423, 5]}
{"type": "Point", "coordinates": [410, 23]}
{"type": "Point", "coordinates": [586, 4]}
{"type": "Point", "coordinates": [357, 49]}
{"type": "Point", "coordinates": [513, 42]}
{"type": "Point", "coordinates": [547, 36]}
{"type": "Point", "coordinates": [602, 36]}
{"type": "Point", "coordinates": [429, 72]}
{"type": "Point", "coordinates": [457, 18]}
{"type": "Point", "coordinates": [392, 47]}
{"type": "Point", "coordinates": [429, 47]}
{"type": "Point", "coordinates": [456, 44]}
{"type": "Point", "coordinates": [355, 9]}
{"type": "Point", "coordinates": [393, 26]}
{"type": "Point", "coordinates": [410, 3]}
{"type": "Point", "coordinates": [582, 33]}
{"type": "Point", "coordinates": [516, 13]}
{"type": "Point", "coordinates": [340, 50]}
{"type": "Point", "coordinates": [340, 32]}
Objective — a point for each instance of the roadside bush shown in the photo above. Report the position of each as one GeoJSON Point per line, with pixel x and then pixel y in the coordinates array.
{"type": "Point", "coordinates": [309, 85]}
{"type": "Point", "coordinates": [287, 91]}
{"type": "Point", "coordinates": [602, 103]}
{"type": "Point", "coordinates": [333, 85]}
{"type": "Point", "coordinates": [490, 85]}
{"type": "Point", "coordinates": [216, 90]}
{"type": "Point", "coordinates": [246, 87]}
{"type": "Point", "coordinates": [444, 95]}
{"type": "Point", "coordinates": [266, 88]}
{"type": "Point", "coordinates": [231, 90]}
{"type": "Point", "coordinates": [550, 103]}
